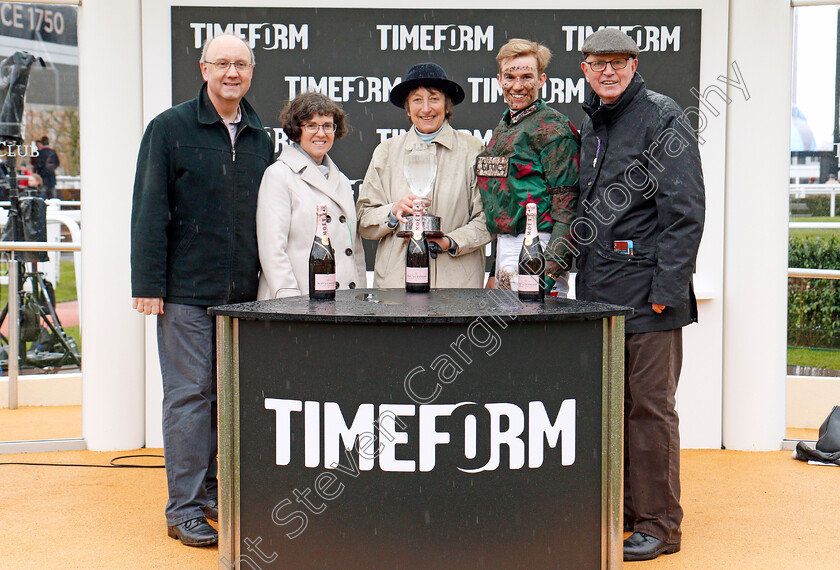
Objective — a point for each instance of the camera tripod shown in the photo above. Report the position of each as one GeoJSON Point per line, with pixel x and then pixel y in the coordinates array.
{"type": "Point", "coordinates": [50, 347]}
{"type": "Point", "coordinates": [49, 344]}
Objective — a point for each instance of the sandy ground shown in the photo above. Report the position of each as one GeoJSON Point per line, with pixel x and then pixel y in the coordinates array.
{"type": "Point", "coordinates": [742, 510]}
{"type": "Point", "coordinates": [40, 422]}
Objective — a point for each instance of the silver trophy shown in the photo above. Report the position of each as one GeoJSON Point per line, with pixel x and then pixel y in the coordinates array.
{"type": "Point", "coordinates": [420, 170]}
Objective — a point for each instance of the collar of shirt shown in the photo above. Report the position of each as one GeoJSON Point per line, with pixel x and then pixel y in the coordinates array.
{"type": "Point", "coordinates": [514, 117]}
{"type": "Point", "coordinates": [233, 126]}
{"type": "Point", "coordinates": [428, 137]}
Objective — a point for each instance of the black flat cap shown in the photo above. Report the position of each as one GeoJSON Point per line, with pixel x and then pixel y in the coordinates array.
{"type": "Point", "coordinates": [426, 75]}
{"type": "Point", "coordinates": [609, 40]}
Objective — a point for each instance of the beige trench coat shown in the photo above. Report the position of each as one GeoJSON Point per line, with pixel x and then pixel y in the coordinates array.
{"type": "Point", "coordinates": [455, 198]}
{"type": "Point", "coordinates": [289, 192]}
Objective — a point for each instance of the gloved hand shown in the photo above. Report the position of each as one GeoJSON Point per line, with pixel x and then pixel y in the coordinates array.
{"type": "Point", "coordinates": [549, 284]}
{"type": "Point", "coordinates": [434, 250]}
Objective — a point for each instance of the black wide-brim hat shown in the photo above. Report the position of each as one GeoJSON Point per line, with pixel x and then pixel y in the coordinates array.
{"type": "Point", "coordinates": [426, 75]}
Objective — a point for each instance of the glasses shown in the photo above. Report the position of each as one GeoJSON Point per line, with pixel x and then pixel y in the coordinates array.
{"type": "Point", "coordinates": [222, 65]}
{"type": "Point", "coordinates": [313, 128]}
{"type": "Point", "coordinates": [616, 64]}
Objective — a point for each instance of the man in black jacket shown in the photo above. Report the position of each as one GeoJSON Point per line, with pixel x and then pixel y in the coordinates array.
{"type": "Point", "coordinates": [45, 165]}
{"type": "Point", "coordinates": [193, 245]}
{"type": "Point", "coordinates": [640, 219]}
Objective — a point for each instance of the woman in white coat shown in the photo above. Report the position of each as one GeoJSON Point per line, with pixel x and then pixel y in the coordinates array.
{"type": "Point", "coordinates": [302, 177]}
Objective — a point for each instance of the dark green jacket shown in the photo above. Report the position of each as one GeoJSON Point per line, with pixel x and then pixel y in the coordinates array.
{"type": "Point", "coordinates": [193, 221]}
{"type": "Point", "coordinates": [532, 157]}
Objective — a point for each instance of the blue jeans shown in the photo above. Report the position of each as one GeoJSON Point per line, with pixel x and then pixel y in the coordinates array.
{"type": "Point", "coordinates": [187, 350]}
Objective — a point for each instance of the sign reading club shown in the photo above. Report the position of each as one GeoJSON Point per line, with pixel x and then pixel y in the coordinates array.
{"type": "Point", "coordinates": [385, 434]}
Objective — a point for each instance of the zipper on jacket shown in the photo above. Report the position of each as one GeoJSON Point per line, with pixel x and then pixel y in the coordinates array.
{"type": "Point", "coordinates": [233, 143]}
{"type": "Point", "coordinates": [232, 283]}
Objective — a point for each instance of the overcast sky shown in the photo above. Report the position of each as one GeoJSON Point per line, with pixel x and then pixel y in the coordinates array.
{"type": "Point", "coordinates": [816, 69]}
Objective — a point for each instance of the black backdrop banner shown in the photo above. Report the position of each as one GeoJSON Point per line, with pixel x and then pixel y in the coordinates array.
{"type": "Point", "coordinates": [356, 55]}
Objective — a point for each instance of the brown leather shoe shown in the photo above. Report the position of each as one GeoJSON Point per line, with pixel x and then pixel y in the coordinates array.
{"type": "Point", "coordinates": [194, 532]}
{"type": "Point", "coordinates": [640, 546]}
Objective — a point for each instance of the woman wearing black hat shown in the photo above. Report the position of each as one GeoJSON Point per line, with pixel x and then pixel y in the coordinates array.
{"type": "Point", "coordinates": [385, 198]}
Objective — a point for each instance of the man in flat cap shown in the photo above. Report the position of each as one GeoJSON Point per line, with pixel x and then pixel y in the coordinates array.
{"type": "Point", "coordinates": [641, 212]}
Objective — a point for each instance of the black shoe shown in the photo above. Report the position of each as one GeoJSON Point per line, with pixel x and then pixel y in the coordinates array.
{"type": "Point", "coordinates": [211, 510]}
{"type": "Point", "coordinates": [194, 532]}
{"type": "Point", "coordinates": [639, 546]}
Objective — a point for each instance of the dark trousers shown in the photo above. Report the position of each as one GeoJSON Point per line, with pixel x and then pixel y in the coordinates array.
{"type": "Point", "coordinates": [47, 191]}
{"type": "Point", "coordinates": [652, 363]}
{"type": "Point", "coordinates": [186, 345]}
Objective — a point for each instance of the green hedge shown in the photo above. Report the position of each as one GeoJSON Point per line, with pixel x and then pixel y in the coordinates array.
{"type": "Point", "coordinates": [817, 205]}
{"type": "Point", "coordinates": [814, 304]}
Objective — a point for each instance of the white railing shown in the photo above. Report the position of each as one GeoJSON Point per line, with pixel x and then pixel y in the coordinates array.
{"type": "Point", "coordinates": [814, 273]}
{"type": "Point", "coordinates": [58, 212]}
{"type": "Point", "coordinates": [69, 207]}
{"type": "Point", "coordinates": [803, 190]}
{"type": "Point", "coordinates": [70, 182]}
{"type": "Point", "coordinates": [814, 225]}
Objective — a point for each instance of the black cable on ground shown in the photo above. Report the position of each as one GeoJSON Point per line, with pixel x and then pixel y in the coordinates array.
{"type": "Point", "coordinates": [111, 465]}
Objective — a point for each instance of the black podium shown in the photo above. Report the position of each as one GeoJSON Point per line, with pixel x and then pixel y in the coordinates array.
{"type": "Point", "coordinates": [452, 429]}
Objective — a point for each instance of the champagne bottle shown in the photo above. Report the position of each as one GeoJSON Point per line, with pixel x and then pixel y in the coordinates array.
{"type": "Point", "coordinates": [321, 259]}
{"type": "Point", "coordinates": [417, 255]}
{"type": "Point", "coordinates": [531, 260]}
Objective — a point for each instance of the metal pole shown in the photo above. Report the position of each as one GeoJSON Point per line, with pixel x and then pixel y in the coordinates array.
{"type": "Point", "coordinates": [813, 273]}
{"type": "Point", "coordinates": [14, 332]}
{"type": "Point", "coordinates": [795, 58]}
{"type": "Point", "coordinates": [836, 148]}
